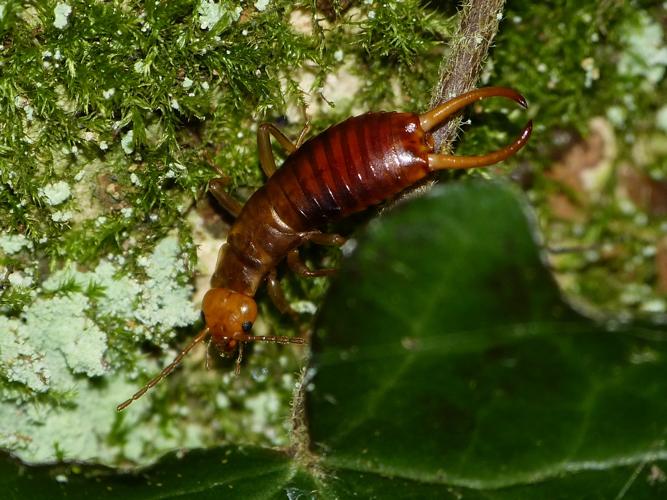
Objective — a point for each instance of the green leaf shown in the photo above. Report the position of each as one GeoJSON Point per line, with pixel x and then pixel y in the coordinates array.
{"type": "Point", "coordinates": [445, 364]}
{"type": "Point", "coordinates": [227, 472]}
{"type": "Point", "coordinates": [446, 355]}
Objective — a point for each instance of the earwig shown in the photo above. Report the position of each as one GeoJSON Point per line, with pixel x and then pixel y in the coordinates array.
{"type": "Point", "coordinates": [347, 168]}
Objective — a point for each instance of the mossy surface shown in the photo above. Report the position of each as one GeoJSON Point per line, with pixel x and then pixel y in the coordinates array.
{"type": "Point", "coordinates": [595, 77]}
{"type": "Point", "coordinates": [114, 117]}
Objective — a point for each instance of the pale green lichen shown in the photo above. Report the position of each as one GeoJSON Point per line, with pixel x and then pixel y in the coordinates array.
{"type": "Point", "coordinates": [160, 303]}
{"type": "Point", "coordinates": [261, 5]}
{"type": "Point", "coordinates": [20, 362]}
{"type": "Point", "coordinates": [59, 326]}
{"type": "Point", "coordinates": [13, 243]}
{"type": "Point", "coordinates": [164, 303]}
{"type": "Point", "coordinates": [127, 142]}
{"type": "Point", "coordinates": [41, 433]}
{"type": "Point", "coordinates": [58, 347]}
{"type": "Point", "coordinates": [56, 339]}
{"type": "Point", "coordinates": [61, 13]}
{"type": "Point", "coordinates": [19, 280]}
{"type": "Point", "coordinates": [56, 192]}
{"type": "Point", "coordinates": [217, 15]}
{"type": "Point", "coordinates": [646, 53]}
{"type": "Point", "coordinates": [62, 216]}
{"type": "Point", "coordinates": [23, 103]}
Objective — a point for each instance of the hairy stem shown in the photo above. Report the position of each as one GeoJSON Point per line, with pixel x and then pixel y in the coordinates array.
{"type": "Point", "coordinates": [460, 71]}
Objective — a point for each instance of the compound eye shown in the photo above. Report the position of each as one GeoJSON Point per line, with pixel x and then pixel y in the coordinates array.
{"type": "Point", "coordinates": [246, 326]}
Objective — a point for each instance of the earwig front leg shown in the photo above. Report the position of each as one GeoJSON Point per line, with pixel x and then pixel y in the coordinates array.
{"type": "Point", "coordinates": [306, 127]}
{"type": "Point", "coordinates": [266, 158]}
{"type": "Point", "coordinates": [217, 189]}
{"type": "Point", "coordinates": [297, 265]}
{"type": "Point", "coordinates": [278, 297]}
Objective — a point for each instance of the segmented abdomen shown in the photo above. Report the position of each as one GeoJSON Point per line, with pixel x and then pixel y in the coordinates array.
{"type": "Point", "coordinates": [349, 167]}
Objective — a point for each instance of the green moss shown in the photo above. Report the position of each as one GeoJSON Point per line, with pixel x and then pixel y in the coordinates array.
{"type": "Point", "coordinates": [591, 59]}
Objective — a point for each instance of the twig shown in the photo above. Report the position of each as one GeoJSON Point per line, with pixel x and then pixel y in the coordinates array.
{"type": "Point", "coordinates": [468, 49]}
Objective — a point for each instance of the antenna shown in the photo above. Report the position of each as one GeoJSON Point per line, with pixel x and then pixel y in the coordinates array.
{"type": "Point", "coordinates": [166, 371]}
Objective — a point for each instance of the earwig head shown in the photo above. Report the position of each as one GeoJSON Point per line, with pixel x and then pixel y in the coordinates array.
{"type": "Point", "coordinates": [229, 317]}
{"type": "Point", "coordinates": [445, 111]}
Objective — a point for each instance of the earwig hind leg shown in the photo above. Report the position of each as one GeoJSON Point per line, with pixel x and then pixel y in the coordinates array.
{"type": "Point", "coordinates": [278, 296]}
{"type": "Point", "coordinates": [266, 158]}
{"type": "Point", "coordinates": [326, 239]}
{"type": "Point", "coordinates": [217, 188]}
{"type": "Point", "coordinates": [297, 265]}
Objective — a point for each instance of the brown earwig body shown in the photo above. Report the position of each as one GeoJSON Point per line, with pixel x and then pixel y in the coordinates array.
{"type": "Point", "coordinates": [347, 168]}
{"type": "Point", "coordinates": [351, 166]}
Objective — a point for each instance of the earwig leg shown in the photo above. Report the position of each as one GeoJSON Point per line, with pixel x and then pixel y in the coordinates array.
{"type": "Point", "coordinates": [211, 163]}
{"type": "Point", "coordinates": [302, 134]}
{"type": "Point", "coordinates": [440, 162]}
{"type": "Point", "coordinates": [296, 264]}
{"type": "Point", "coordinates": [278, 297]}
{"type": "Point", "coordinates": [306, 127]}
{"type": "Point", "coordinates": [217, 189]}
{"type": "Point", "coordinates": [266, 158]}
{"type": "Point", "coordinates": [166, 371]}
{"type": "Point", "coordinates": [328, 239]}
